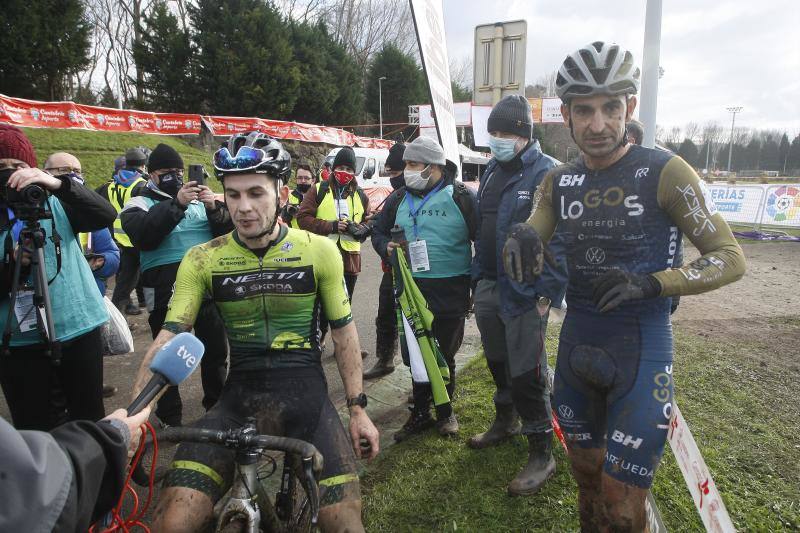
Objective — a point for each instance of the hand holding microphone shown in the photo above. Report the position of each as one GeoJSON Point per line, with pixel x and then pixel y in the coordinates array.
{"type": "Point", "coordinates": [171, 365]}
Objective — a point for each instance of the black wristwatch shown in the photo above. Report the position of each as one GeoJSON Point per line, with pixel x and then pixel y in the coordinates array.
{"type": "Point", "coordinates": [360, 400]}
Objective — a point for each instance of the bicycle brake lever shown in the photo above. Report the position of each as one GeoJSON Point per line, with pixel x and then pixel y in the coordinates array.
{"type": "Point", "coordinates": [311, 486]}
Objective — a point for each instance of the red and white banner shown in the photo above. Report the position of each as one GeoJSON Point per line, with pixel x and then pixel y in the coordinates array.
{"type": "Point", "coordinates": [697, 476]}
{"type": "Point", "coordinates": [34, 114]}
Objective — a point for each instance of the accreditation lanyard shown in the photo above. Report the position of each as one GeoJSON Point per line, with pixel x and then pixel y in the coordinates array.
{"type": "Point", "coordinates": [414, 212]}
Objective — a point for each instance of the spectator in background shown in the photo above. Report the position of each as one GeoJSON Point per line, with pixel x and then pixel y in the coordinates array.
{"type": "Point", "coordinates": [635, 131]}
{"type": "Point", "coordinates": [98, 246]}
{"type": "Point", "coordinates": [511, 316]}
{"type": "Point", "coordinates": [440, 218]}
{"type": "Point", "coordinates": [325, 171]}
{"type": "Point", "coordinates": [336, 208]}
{"type": "Point", "coordinates": [163, 222]}
{"type": "Point", "coordinates": [27, 372]}
{"type": "Point", "coordinates": [303, 179]}
{"type": "Point", "coordinates": [126, 183]}
{"type": "Point", "coordinates": [386, 319]}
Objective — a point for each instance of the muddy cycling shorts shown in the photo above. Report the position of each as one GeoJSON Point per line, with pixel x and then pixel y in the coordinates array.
{"type": "Point", "coordinates": [613, 390]}
{"type": "Point", "coordinates": [288, 402]}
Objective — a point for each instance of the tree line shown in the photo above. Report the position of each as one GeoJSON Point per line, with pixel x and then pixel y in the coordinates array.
{"type": "Point", "coordinates": [313, 61]}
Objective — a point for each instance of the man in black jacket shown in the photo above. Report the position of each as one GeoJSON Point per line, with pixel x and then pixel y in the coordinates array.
{"type": "Point", "coordinates": [163, 222]}
{"type": "Point", "coordinates": [68, 478]}
{"type": "Point", "coordinates": [386, 320]}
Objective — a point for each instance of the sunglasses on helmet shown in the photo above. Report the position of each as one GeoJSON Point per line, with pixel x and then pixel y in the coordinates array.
{"type": "Point", "coordinates": [246, 158]}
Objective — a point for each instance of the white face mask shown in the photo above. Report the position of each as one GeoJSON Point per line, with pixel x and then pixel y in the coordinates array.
{"type": "Point", "coordinates": [418, 179]}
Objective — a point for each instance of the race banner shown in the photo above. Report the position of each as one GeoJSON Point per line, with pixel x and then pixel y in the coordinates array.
{"type": "Point", "coordinates": [429, 24]}
{"type": "Point", "coordinates": [536, 109]}
{"type": "Point", "coordinates": [34, 114]}
{"type": "Point", "coordinates": [782, 206]}
{"type": "Point", "coordinates": [758, 204]}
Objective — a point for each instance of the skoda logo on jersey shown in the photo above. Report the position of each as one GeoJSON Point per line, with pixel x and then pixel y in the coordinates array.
{"type": "Point", "coordinates": [565, 412]}
{"type": "Point", "coordinates": [595, 256]}
{"type": "Point", "coordinates": [239, 290]}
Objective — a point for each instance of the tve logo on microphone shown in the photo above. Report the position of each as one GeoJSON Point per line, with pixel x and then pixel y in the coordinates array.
{"type": "Point", "coordinates": [183, 353]}
{"type": "Point", "coordinates": [178, 357]}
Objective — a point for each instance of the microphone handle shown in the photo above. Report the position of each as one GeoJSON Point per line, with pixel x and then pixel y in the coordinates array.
{"type": "Point", "coordinates": [150, 391]}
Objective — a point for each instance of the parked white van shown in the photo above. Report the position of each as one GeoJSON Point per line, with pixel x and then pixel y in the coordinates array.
{"type": "Point", "coordinates": [369, 166]}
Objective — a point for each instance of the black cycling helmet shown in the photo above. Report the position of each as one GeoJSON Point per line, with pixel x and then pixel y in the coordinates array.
{"type": "Point", "coordinates": [269, 156]}
{"type": "Point", "coordinates": [597, 68]}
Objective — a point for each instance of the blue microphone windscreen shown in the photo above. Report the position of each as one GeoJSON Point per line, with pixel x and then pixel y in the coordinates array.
{"type": "Point", "coordinates": [178, 357]}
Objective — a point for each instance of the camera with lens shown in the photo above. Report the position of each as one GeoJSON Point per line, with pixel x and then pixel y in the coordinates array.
{"type": "Point", "coordinates": [360, 232]}
{"type": "Point", "coordinates": [289, 211]}
{"type": "Point", "coordinates": [27, 204]}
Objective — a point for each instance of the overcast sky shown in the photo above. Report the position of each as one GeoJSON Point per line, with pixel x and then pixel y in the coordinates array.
{"type": "Point", "coordinates": [715, 53]}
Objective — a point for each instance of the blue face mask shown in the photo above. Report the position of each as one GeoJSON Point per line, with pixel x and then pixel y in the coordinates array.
{"type": "Point", "coordinates": [502, 149]}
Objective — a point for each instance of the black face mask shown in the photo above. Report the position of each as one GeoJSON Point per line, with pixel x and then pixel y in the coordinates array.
{"type": "Point", "coordinates": [397, 181]}
{"type": "Point", "coordinates": [170, 183]}
{"type": "Point", "coordinates": [304, 187]}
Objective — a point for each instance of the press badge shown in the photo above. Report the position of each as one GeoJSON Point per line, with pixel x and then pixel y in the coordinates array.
{"type": "Point", "coordinates": [23, 308]}
{"type": "Point", "coordinates": [342, 209]}
{"type": "Point", "coordinates": [418, 253]}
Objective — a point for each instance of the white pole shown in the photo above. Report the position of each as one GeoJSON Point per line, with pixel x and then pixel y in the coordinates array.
{"type": "Point", "coordinates": [380, 103]}
{"type": "Point", "coordinates": [650, 71]}
{"type": "Point", "coordinates": [733, 111]}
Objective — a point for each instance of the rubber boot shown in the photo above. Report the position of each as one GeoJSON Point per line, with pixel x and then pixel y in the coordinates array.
{"type": "Point", "coordinates": [385, 364]}
{"type": "Point", "coordinates": [506, 424]}
{"type": "Point", "coordinates": [540, 467]}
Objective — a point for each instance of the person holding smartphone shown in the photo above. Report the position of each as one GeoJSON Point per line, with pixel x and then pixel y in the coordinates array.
{"type": "Point", "coordinates": [163, 222]}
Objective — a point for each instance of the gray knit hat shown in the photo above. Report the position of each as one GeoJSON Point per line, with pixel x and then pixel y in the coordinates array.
{"type": "Point", "coordinates": [424, 150]}
{"type": "Point", "coordinates": [512, 114]}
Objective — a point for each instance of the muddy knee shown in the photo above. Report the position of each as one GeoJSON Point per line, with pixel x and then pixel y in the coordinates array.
{"type": "Point", "coordinates": [341, 517]}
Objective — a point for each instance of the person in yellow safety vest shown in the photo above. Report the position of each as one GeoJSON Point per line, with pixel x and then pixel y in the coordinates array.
{"type": "Point", "coordinates": [304, 179]}
{"type": "Point", "coordinates": [125, 184]}
{"type": "Point", "coordinates": [337, 208]}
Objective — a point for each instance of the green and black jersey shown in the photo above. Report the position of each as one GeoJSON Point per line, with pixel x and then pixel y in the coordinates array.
{"type": "Point", "coordinates": [270, 305]}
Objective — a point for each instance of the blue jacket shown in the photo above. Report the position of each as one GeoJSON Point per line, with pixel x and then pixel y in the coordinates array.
{"type": "Point", "coordinates": [104, 245]}
{"type": "Point", "coordinates": [516, 202]}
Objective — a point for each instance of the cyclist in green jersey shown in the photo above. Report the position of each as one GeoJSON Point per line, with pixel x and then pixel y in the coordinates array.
{"type": "Point", "coordinates": [270, 283]}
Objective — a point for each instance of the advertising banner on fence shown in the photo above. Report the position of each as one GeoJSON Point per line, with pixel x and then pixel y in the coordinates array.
{"type": "Point", "coordinates": [758, 204]}
{"type": "Point", "coordinates": [429, 23]}
{"type": "Point", "coordinates": [33, 114]}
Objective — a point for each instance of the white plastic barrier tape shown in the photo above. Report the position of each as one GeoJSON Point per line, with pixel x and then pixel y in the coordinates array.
{"type": "Point", "coordinates": [697, 476]}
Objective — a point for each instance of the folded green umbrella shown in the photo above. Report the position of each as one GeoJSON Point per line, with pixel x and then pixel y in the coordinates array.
{"type": "Point", "coordinates": [419, 347]}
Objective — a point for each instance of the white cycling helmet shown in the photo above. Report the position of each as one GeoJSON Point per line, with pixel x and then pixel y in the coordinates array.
{"type": "Point", "coordinates": [597, 68]}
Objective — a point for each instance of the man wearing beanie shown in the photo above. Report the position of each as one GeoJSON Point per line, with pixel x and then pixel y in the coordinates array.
{"type": "Point", "coordinates": [386, 320]}
{"type": "Point", "coordinates": [126, 183]}
{"type": "Point", "coordinates": [163, 222]}
{"type": "Point", "coordinates": [512, 317]}
{"type": "Point", "coordinates": [440, 218]}
{"type": "Point", "coordinates": [337, 208]}
{"type": "Point", "coordinates": [28, 371]}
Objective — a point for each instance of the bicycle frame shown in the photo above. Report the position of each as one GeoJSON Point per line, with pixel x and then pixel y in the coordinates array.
{"type": "Point", "coordinates": [242, 501]}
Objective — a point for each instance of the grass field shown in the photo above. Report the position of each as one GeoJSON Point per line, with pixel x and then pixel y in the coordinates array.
{"type": "Point", "coordinates": [740, 402]}
{"type": "Point", "coordinates": [97, 150]}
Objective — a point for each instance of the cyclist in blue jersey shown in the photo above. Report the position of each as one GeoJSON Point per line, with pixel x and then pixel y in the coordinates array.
{"type": "Point", "coordinates": [621, 211]}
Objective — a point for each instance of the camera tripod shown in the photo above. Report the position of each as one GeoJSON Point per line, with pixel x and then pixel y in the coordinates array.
{"type": "Point", "coordinates": [33, 232]}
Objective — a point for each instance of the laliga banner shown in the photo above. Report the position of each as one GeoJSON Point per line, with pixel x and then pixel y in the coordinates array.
{"type": "Point", "coordinates": [429, 23]}
{"type": "Point", "coordinates": [33, 114]}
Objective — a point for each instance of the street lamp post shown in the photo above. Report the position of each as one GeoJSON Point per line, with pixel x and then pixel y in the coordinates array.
{"type": "Point", "coordinates": [733, 111]}
{"type": "Point", "coordinates": [380, 103]}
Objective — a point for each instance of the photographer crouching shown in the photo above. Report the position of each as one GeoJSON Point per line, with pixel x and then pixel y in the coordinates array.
{"type": "Point", "coordinates": [40, 216]}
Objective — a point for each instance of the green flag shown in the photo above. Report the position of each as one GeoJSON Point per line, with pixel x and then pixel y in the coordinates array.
{"type": "Point", "coordinates": [415, 323]}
